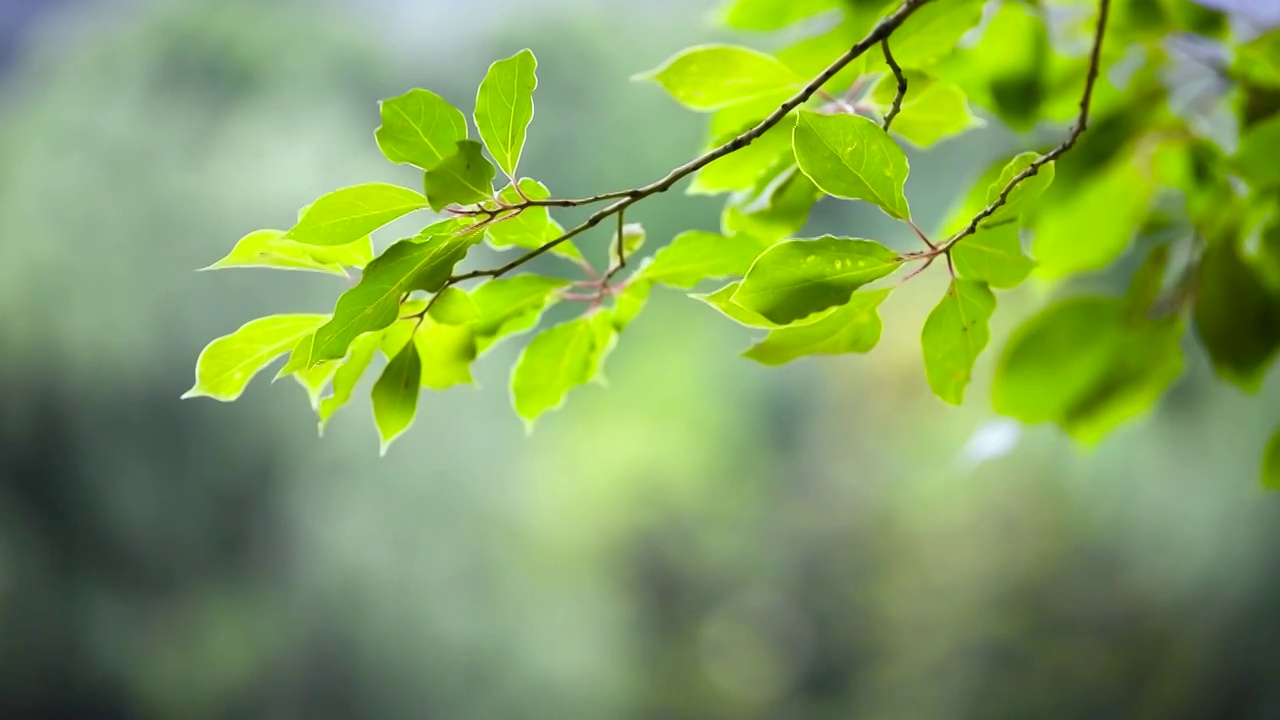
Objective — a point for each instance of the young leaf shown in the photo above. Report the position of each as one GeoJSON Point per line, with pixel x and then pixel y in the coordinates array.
{"type": "Point", "coordinates": [395, 395]}
{"type": "Point", "coordinates": [934, 31]}
{"type": "Point", "coordinates": [993, 255]}
{"type": "Point", "coordinates": [270, 249]}
{"type": "Point", "coordinates": [447, 352]}
{"type": "Point", "coordinates": [812, 55]}
{"type": "Point", "coordinates": [347, 375]}
{"type": "Point", "coordinates": [1271, 463]}
{"type": "Point", "coordinates": [374, 302]}
{"type": "Point", "coordinates": [419, 128]}
{"type": "Point", "coordinates": [710, 77]}
{"type": "Point", "coordinates": [509, 306]}
{"type": "Point", "coordinates": [633, 237]}
{"type": "Point", "coordinates": [931, 111]}
{"type": "Point", "coordinates": [462, 177]}
{"type": "Point", "coordinates": [772, 14]}
{"type": "Point", "coordinates": [1023, 194]}
{"type": "Point", "coordinates": [797, 278]}
{"type": "Point", "coordinates": [1237, 317]}
{"type": "Point", "coordinates": [695, 256]}
{"type": "Point", "coordinates": [504, 108]}
{"type": "Point", "coordinates": [347, 215]}
{"type": "Point", "coordinates": [741, 170]}
{"type": "Point", "coordinates": [1093, 225]}
{"type": "Point", "coordinates": [780, 211]}
{"type": "Point", "coordinates": [227, 364]}
{"type": "Point", "coordinates": [453, 307]}
{"type": "Point", "coordinates": [1083, 365]}
{"type": "Point", "coordinates": [849, 156]}
{"type": "Point", "coordinates": [530, 227]}
{"type": "Point", "coordinates": [556, 361]}
{"type": "Point", "coordinates": [315, 380]}
{"type": "Point", "coordinates": [851, 328]}
{"type": "Point", "coordinates": [954, 334]}
{"type": "Point", "coordinates": [629, 302]}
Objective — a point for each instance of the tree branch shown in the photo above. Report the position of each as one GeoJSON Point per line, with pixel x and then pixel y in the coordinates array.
{"type": "Point", "coordinates": [627, 198]}
{"type": "Point", "coordinates": [1081, 124]}
{"type": "Point", "coordinates": [902, 85]}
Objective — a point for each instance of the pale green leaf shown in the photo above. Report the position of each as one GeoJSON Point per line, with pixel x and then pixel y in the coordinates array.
{"type": "Point", "coordinates": [227, 364]}
{"type": "Point", "coordinates": [931, 111]}
{"type": "Point", "coordinates": [993, 255]}
{"type": "Point", "coordinates": [954, 334]}
{"type": "Point", "coordinates": [695, 256]}
{"type": "Point", "coordinates": [850, 328]}
{"type": "Point", "coordinates": [812, 55]}
{"type": "Point", "coordinates": [453, 307]}
{"type": "Point", "coordinates": [741, 170]}
{"type": "Point", "coordinates": [509, 306]}
{"type": "Point", "coordinates": [463, 177]}
{"type": "Point", "coordinates": [347, 375]}
{"type": "Point", "coordinates": [628, 303]}
{"type": "Point", "coordinates": [780, 211]}
{"type": "Point", "coordinates": [532, 226]}
{"type": "Point", "coordinates": [556, 361]}
{"type": "Point", "coordinates": [633, 237]}
{"type": "Point", "coordinates": [270, 249]}
{"type": "Point", "coordinates": [1092, 226]}
{"type": "Point", "coordinates": [419, 128]}
{"type": "Point", "coordinates": [934, 30]}
{"type": "Point", "coordinates": [849, 156]}
{"type": "Point", "coordinates": [710, 77]}
{"type": "Point", "coordinates": [316, 379]}
{"type": "Point", "coordinates": [796, 278]}
{"type": "Point", "coordinates": [374, 302]}
{"type": "Point", "coordinates": [1022, 194]}
{"type": "Point", "coordinates": [772, 14]}
{"type": "Point", "coordinates": [395, 395]}
{"type": "Point", "coordinates": [348, 215]}
{"type": "Point", "coordinates": [504, 108]}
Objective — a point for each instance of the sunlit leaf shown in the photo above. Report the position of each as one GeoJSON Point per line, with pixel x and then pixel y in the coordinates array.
{"type": "Point", "coordinates": [709, 77]}
{"type": "Point", "coordinates": [851, 328]}
{"type": "Point", "coordinates": [348, 215]}
{"type": "Point", "coordinates": [555, 361]}
{"type": "Point", "coordinates": [742, 169]}
{"type": "Point", "coordinates": [532, 226]}
{"type": "Point", "coordinates": [395, 395]}
{"type": "Point", "coordinates": [347, 375]}
{"type": "Point", "coordinates": [780, 211]}
{"type": "Point", "coordinates": [509, 306]}
{"type": "Point", "coordinates": [849, 156]}
{"type": "Point", "coordinates": [772, 14]}
{"type": "Point", "coordinates": [1093, 225]}
{"type": "Point", "coordinates": [374, 302]}
{"type": "Point", "coordinates": [934, 30]}
{"type": "Point", "coordinates": [227, 364]}
{"type": "Point", "coordinates": [695, 256]}
{"type": "Point", "coordinates": [316, 379]}
{"type": "Point", "coordinates": [270, 249]}
{"type": "Point", "coordinates": [931, 111]}
{"type": "Point", "coordinates": [463, 177]}
{"type": "Point", "coordinates": [954, 334]}
{"type": "Point", "coordinates": [796, 278]}
{"type": "Point", "coordinates": [504, 108]}
{"type": "Point", "coordinates": [1023, 194]}
{"type": "Point", "coordinates": [993, 255]}
{"type": "Point", "coordinates": [419, 128]}
{"type": "Point", "coordinates": [629, 302]}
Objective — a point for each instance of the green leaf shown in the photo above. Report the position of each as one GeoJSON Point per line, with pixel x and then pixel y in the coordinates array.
{"type": "Point", "coordinates": [954, 334]}
{"type": "Point", "coordinates": [812, 55]}
{"type": "Point", "coordinates": [933, 31]}
{"type": "Point", "coordinates": [1022, 194]}
{"type": "Point", "coordinates": [461, 178]}
{"type": "Point", "coordinates": [556, 361]}
{"type": "Point", "coordinates": [849, 156]}
{"type": "Point", "coordinates": [931, 111]}
{"type": "Point", "coordinates": [1148, 279]}
{"type": "Point", "coordinates": [504, 108]}
{"type": "Point", "coordinates": [531, 227]}
{"type": "Point", "coordinates": [1084, 365]}
{"type": "Point", "coordinates": [710, 77]}
{"type": "Point", "coordinates": [780, 211]}
{"type": "Point", "coordinates": [772, 14]}
{"type": "Point", "coordinates": [348, 215]}
{"type": "Point", "coordinates": [797, 278]}
{"type": "Point", "coordinates": [1271, 463]}
{"type": "Point", "coordinates": [453, 307]}
{"type": "Point", "coordinates": [1237, 316]}
{"type": "Point", "coordinates": [315, 380]}
{"type": "Point", "coordinates": [695, 256]}
{"type": "Point", "coordinates": [374, 302]}
{"type": "Point", "coordinates": [347, 375]}
{"type": "Point", "coordinates": [270, 249]}
{"type": "Point", "coordinates": [993, 255]}
{"type": "Point", "coordinates": [419, 128]}
{"type": "Point", "coordinates": [395, 395]}
{"type": "Point", "coordinates": [446, 351]}
{"type": "Point", "coordinates": [227, 364]}
{"type": "Point", "coordinates": [741, 170]}
{"type": "Point", "coordinates": [509, 306]}
{"type": "Point", "coordinates": [1255, 158]}
{"type": "Point", "coordinates": [1092, 226]}
{"type": "Point", "coordinates": [851, 328]}
{"type": "Point", "coordinates": [633, 237]}
{"type": "Point", "coordinates": [628, 303]}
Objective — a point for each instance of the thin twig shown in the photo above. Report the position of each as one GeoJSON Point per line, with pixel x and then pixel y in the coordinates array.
{"type": "Point", "coordinates": [627, 198]}
{"type": "Point", "coordinates": [1082, 123]}
{"type": "Point", "coordinates": [902, 86]}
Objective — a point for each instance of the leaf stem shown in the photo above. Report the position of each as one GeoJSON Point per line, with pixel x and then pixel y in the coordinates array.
{"type": "Point", "coordinates": [902, 89]}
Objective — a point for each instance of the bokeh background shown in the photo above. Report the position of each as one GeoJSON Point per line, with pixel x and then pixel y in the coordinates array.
{"type": "Point", "coordinates": [704, 538]}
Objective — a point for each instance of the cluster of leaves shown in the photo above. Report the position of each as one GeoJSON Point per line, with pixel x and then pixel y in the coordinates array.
{"type": "Point", "coordinates": [823, 120]}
